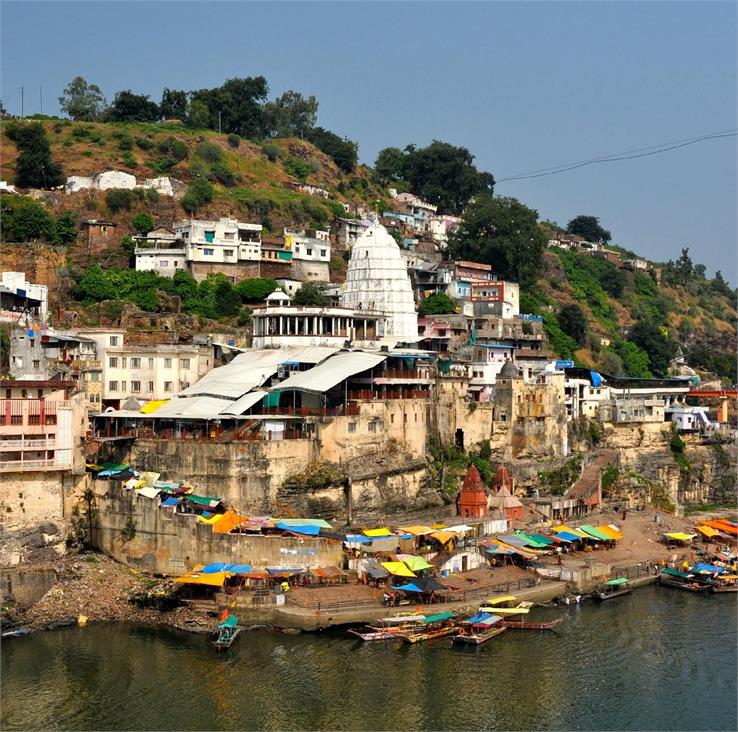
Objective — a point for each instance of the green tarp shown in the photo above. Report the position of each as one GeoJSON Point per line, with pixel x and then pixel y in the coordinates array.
{"type": "Point", "coordinates": [675, 573]}
{"type": "Point", "coordinates": [230, 622]}
{"type": "Point", "coordinates": [616, 582]}
{"type": "Point", "coordinates": [530, 541]}
{"type": "Point", "coordinates": [208, 501]}
{"type": "Point", "coordinates": [438, 616]}
{"type": "Point", "coordinates": [596, 533]}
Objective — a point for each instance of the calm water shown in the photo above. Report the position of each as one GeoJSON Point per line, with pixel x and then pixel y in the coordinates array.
{"type": "Point", "coordinates": [656, 659]}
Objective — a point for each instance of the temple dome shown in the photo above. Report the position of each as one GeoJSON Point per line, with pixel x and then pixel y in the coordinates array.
{"type": "Point", "coordinates": [377, 280]}
{"type": "Point", "coordinates": [509, 371]}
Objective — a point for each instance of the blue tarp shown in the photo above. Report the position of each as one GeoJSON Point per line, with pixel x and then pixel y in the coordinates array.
{"type": "Point", "coordinates": [284, 570]}
{"type": "Point", "coordinates": [595, 378]}
{"type": "Point", "coordinates": [309, 530]}
{"type": "Point", "coordinates": [568, 536]}
{"type": "Point", "coordinates": [216, 567]}
{"type": "Point", "coordinates": [358, 539]}
{"type": "Point", "coordinates": [483, 619]}
{"type": "Point", "coordinates": [543, 539]}
{"type": "Point", "coordinates": [407, 536]}
{"type": "Point", "coordinates": [171, 501]}
{"type": "Point", "coordinates": [409, 587]}
{"type": "Point", "coordinates": [565, 364]}
{"type": "Point", "coordinates": [240, 568]}
{"type": "Point", "coordinates": [711, 568]}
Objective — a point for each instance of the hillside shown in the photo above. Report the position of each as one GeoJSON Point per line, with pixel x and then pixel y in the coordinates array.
{"type": "Point", "coordinates": [249, 179]}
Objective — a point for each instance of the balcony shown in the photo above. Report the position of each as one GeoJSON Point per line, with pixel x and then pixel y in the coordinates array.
{"type": "Point", "coordinates": [28, 443]}
{"type": "Point", "coordinates": [37, 464]}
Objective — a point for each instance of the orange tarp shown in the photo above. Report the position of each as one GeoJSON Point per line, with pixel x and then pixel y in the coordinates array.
{"type": "Point", "coordinates": [229, 521]}
{"type": "Point", "coordinates": [606, 529]}
{"type": "Point", "coordinates": [722, 526]}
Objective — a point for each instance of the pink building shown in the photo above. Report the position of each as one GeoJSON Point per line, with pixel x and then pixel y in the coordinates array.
{"type": "Point", "coordinates": [42, 424]}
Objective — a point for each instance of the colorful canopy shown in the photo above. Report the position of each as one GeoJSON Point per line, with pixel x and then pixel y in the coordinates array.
{"type": "Point", "coordinates": [377, 532]}
{"type": "Point", "coordinates": [483, 619]}
{"type": "Point", "coordinates": [215, 579]}
{"type": "Point", "coordinates": [707, 531]}
{"type": "Point", "coordinates": [611, 531]}
{"type": "Point", "coordinates": [532, 541]}
{"type": "Point", "coordinates": [596, 533]}
{"type": "Point", "coordinates": [438, 617]}
{"type": "Point", "coordinates": [501, 599]}
{"type": "Point", "coordinates": [307, 530]}
{"type": "Point", "coordinates": [210, 519]}
{"type": "Point", "coordinates": [547, 540]}
{"type": "Point", "coordinates": [153, 405]}
{"type": "Point", "coordinates": [577, 532]}
{"type": "Point", "coordinates": [230, 622]}
{"type": "Point", "coordinates": [417, 530]}
{"type": "Point", "coordinates": [678, 536]}
{"type": "Point", "coordinates": [171, 501]}
{"type": "Point", "coordinates": [409, 587]}
{"type": "Point", "coordinates": [398, 569]}
{"type": "Point", "coordinates": [417, 564]}
{"type": "Point", "coordinates": [207, 501]}
{"type": "Point", "coordinates": [147, 492]}
{"type": "Point", "coordinates": [228, 521]}
{"type": "Point", "coordinates": [305, 522]}
{"type": "Point", "coordinates": [703, 567]}
{"type": "Point", "coordinates": [616, 582]}
{"type": "Point", "coordinates": [566, 536]}
{"type": "Point", "coordinates": [498, 549]}
{"type": "Point", "coordinates": [444, 537]}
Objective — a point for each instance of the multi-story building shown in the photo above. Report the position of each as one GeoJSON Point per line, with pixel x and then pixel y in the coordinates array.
{"type": "Point", "coordinates": [230, 247]}
{"type": "Point", "coordinates": [479, 290]}
{"type": "Point", "coordinates": [345, 232]}
{"type": "Point", "coordinates": [22, 302]}
{"type": "Point", "coordinates": [311, 253]}
{"type": "Point", "coordinates": [161, 252]}
{"type": "Point", "coordinates": [41, 426]}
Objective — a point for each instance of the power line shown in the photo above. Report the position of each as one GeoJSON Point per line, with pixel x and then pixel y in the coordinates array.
{"type": "Point", "coordinates": [626, 155]}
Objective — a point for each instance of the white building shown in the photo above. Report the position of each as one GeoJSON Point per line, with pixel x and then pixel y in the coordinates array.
{"type": "Point", "coordinates": [377, 280]}
{"type": "Point", "coordinates": [689, 419]}
{"type": "Point", "coordinates": [311, 253]}
{"type": "Point", "coordinates": [19, 297]}
{"type": "Point", "coordinates": [160, 252]}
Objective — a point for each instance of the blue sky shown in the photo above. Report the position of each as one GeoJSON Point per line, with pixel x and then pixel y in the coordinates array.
{"type": "Point", "coordinates": [523, 85]}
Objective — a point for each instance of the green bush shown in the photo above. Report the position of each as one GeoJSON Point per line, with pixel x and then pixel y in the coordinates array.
{"type": "Point", "coordinates": [81, 131]}
{"type": "Point", "coordinates": [24, 219]}
{"type": "Point", "coordinates": [255, 289]}
{"type": "Point", "coordinates": [677, 444]}
{"type": "Point", "coordinates": [118, 199]}
{"type": "Point", "coordinates": [224, 175]}
{"type": "Point", "coordinates": [198, 193]}
{"type": "Point", "coordinates": [234, 140]}
{"type": "Point", "coordinates": [144, 143]}
{"type": "Point", "coordinates": [143, 223]}
{"type": "Point", "coordinates": [152, 195]}
{"type": "Point", "coordinates": [128, 160]}
{"type": "Point", "coordinates": [298, 168]}
{"type": "Point", "coordinates": [438, 304]}
{"type": "Point", "coordinates": [210, 152]}
{"type": "Point", "coordinates": [271, 152]}
{"type": "Point", "coordinates": [125, 143]}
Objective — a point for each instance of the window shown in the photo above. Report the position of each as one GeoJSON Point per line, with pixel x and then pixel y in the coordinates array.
{"type": "Point", "coordinates": [167, 363]}
{"type": "Point", "coordinates": [209, 237]}
{"type": "Point", "coordinates": [167, 386]}
{"type": "Point", "coordinates": [151, 363]}
{"type": "Point", "coordinates": [323, 252]}
{"type": "Point", "coordinates": [124, 362]}
{"type": "Point", "coordinates": [228, 252]}
{"type": "Point", "coordinates": [113, 362]}
{"type": "Point", "coordinates": [123, 385]}
{"type": "Point", "coordinates": [208, 252]}
{"type": "Point", "coordinates": [184, 363]}
{"type": "Point", "coordinates": [309, 251]}
{"type": "Point", "coordinates": [352, 426]}
{"type": "Point", "coordinates": [36, 364]}
{"type": "Point", "coordinates": [113, 385]}
{"type": "Point", "coordinates": [34, 419]}
{"type": "Point", "coordinates": [135, 386]}
{"type": "Point", "coordinates": [164, 263]}
{"type": "Point", "coordinates": [151, 386]}
{"type": "Point", "coordinates": [135, 363]}
{"type": "Point", "coordinates": [229, 235]}
{"type": "Point", "coordinates": [94, 376]}
{"type": "Point", "coordinates": [113, 340]}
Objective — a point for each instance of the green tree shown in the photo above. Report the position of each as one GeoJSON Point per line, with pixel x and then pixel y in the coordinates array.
{"type": "Point", "coordinates": [130, 107]}
{"type": "Point", "coordinates": [445, 175]}
{"type": "Point", "coordinates": [82, 101]}
{"type": "Point", "coordinates": [573, 322]}
{"type": "Point", "coordinates": [95, 286]}
{"type": "Point", "coordinates": [34, 167]}
{"type": "Point", "coordinates": [290, 115]}
{"type": "Point", "coordinates": [237, 106]}
{"type": "Point", "coordinates": [635, 361]}
{"type": "Point", "coordinates": [659, 346]}
{"type": "Point", "coordinates": [228, 301]}
{"type": "Point", "coordinates": [501, 232]}
{"type": "Point", "coordinates": [438, 304]}
{"type": "Point", "coordinates": [174, 104]}
{"type": "Point", "coordinates": [199, 115]}
{"type": "Point", "coordinates": [343, 152]}
{"type": "Point", "coordinates": [612, 364]}
{"type": "Point", "coordinates": [589, 228]}
{"type": "Point", "coordinates": [198, 193]}
{"type": "Point", "coordinates": [255, 289]}
{"type": "Point", "coordinates": [613, 280]}
{"type": "Point", "coordinates": [24, 219]}
{"type": "Point", "coordinates": [117, 199]}
{"type": "Point", "coordinates": [143, 223]}
{"type": "Point", "coordinates": [390, 164]}
{"type": "Point", "coordinates": [310, 294]}
{"type": "Point", "coordinates": [66, 228]}
{"type": "Point", "coordinates": [184, 286]}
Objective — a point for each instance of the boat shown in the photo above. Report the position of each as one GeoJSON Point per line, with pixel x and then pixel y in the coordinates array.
{"type": "Point", "coordinates": [725, 583]}
{"type": "Point", "coordinates": [505, 606]}
{"type": "Point", "coordinates": [613, 588]}
{"type": "Point", "coordinates": [681, 580]}
{"type": "Point", "coordinates": [431, 627]}
{"type": "Point", "coordinates": [389, 628]}
{"type": "Point", "coordinates": [227, 631]}
{"type": "Point", "coordinates": [531, 625]}
{"type": "Point", "coordinates": [479, 629]}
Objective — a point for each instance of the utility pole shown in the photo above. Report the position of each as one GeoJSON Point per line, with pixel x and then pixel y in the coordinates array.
{"type": "Point", "coordinates": [41, 98]}
{"type": "Point", "coordinates": [22, 90]}
{"type": "Point", "coordinates": [219, 130]}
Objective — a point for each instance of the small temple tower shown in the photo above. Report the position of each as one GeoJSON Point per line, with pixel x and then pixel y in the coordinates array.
{"type": "Point", "coordinates": [472, 500]}
{"type": "Point", "coordinates": [502, 500]}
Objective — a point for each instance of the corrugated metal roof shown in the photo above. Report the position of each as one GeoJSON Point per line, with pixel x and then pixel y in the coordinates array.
{"type": "Point", "coordinates": [203, 407]}
{"type": "Point", "coordinates": [242, 404]}
{"type": "Point", "coordinates": [331, 372]}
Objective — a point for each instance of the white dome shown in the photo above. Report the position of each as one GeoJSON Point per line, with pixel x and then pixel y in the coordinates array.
{"type": "Point", "coordinates": [377, 279]}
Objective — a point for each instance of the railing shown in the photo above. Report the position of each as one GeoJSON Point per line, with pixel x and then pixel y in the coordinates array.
{"type": "Point", "coordinates": [28, 444]}
{"type": "Point", "coordinates": [18, 465]}
{"type": "Point", "coordinates": [633, 572]}
{"type": "Point", "coordinates": [350, 410]}
{"type": "Point", "coordinates": [392, 393]}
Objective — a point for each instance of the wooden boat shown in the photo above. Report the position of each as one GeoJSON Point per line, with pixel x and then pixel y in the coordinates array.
{"type": "Point", "coordinates": [681, 580]}
{"type": "Point", "coordinates": [530, 625]}
{"type": "Point", "coordinates": [506, 605]}
{"type": "Point", "coordinates": [389, 628]}
{"type": "Point", "coordinates": [479, 628]}
{"type": "Point", "coordinates": [613, 588]}
{"type": "Point", "coordinates": [227, 631]}
{"type": "Point", "coordinates": [434, 626]}
{"type": "Point", "coordinates": [725, 583]}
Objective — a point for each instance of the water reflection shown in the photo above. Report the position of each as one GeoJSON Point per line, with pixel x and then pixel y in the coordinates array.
{"type": "Point", "coordinates": [637, 662]}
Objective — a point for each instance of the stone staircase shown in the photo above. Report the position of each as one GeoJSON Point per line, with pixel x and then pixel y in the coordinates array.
{"type": "Point", "coordinates": [589, 486]}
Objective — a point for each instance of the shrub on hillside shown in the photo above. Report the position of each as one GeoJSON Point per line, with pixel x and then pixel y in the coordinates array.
{"type": "Point", "coordinates": [198, 193]}
{"type": "Point", "coordinates": [24, 219]}
{"type": "Point", "coordinates": [255, 289]}
{"type": "Point", "coordinates": [234, 140]}
{"type": "Point", "coordinates": [210, 152]}
{"type": "Point", "coordinates": [224, 175]}
{"type": "Point", "coordinates": [271, 152]}
{"type": "Point", "coordinates": [118, 199]}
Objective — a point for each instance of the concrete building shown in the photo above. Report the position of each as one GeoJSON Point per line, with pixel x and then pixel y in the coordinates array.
{"type": "Point", "coordinates": [311, 254]}
{"type": "Point", "coordinates": [22, 302]}
{"type": "Point", "coordinates": [345, 232]}
{"type": "Point", "coordinates": [227, 246]}
{"type": "Point", "coordinates": [377, 280]}
{"type": "Point", "coordinates": [98, 235]}
{"type": "Point", "coordinates": [689, 419]}
{"type": "Point", "coordinates": [160, 251]}
{"type": "Point", "coordinates": [41, 426]}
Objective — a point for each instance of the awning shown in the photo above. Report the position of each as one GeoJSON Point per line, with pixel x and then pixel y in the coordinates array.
{"type": "Point", "coordinates": [483, 619]}
{"type": "Point", "coordinates": [228, 521]}
{"type": "Point", "coordinates": [596, 533]}
{"type": "Point", "coordinates": [416, 564]}
{"type": "Point", "coordinates": [498, 549]}
{"type": "Point", "coordinates": [216, 579]}
{"type": "Point", "coordinates": [283, 572]}
{"type": "Point", "coordinates": [398, 569]}
{"type": "Point", "coordinates": [245, 402]}
{"type": "Point", "coordinates": [385, 544]}
{"type": "Point", "coordinates": [417, 530]}
{"type": "Point", "coordinates": [617, 582]}
{"type": "Point", "coordinates": [710, 568]}
{"type": "Point", "coordinates": [611, 531]}
{"type": "Point", "coordinates": [707, 531]}
{"type": "Point", "coordinates": [374, 569]}
{"type": "Point", "coordinates": [532, 541]}
{"type": "Point", "coordinates": [438, 617]}
{"type": "Point", "coordinates": [147, 492]}
{"type": "Point", "coordinates": [678, 536]}
{"type": "Point", "coordinates": [567, 536]}
{"type": "Point", "coordinates": [409, 587]}
{"type": "Point", "coordinates": [308, 530]}
{"type": "Point", "coordinates": [377, 532]}
{"type": "Point", "coordinates": [542, 539]}
{"type": "Point", "coordinates": [321, 523]}
{"type": "Point", "coordinates": [500, 600]}
{"type": "Point", "coordinates": [331, 372]}
{"type": "Point", "coordinates": [443, 537]}
{"type": "Point", "coordinates": [357, 539]}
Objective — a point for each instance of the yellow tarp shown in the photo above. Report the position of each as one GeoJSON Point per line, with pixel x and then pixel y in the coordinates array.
{"type": "Point", "coordinates": [153, 405]}
{"type": "Point", "coordinates": [377, 532]}
{"type": "Point", "coordinates": [417, 530]}
{"type": "Point", "coordinates": [399, 569]}
{"type": "Point", "coordinates": [212, 519]}
{"type": "Point", "coordinates": [498, 600]}
{"type": "Point", "coordinates": [444, 536]}
{"type": "Point", "coordinates": [506, 610]}
{"type": "Point", "coordinates": [707, 531]}
{"type": "Point", "coordinates": [149, 477]}
{"type": "Point", "coordinates": [439, 526]}
{"type": "Point", "coordinates": [214, 579]}
{"type": "Point", "coordinates": [576, 532]}
{"type": "Point", "coordinates": [606, 529]}
{"type": "Point", "coordinates": [416, 563]}
{"type": "Point", "coordinates": [228, 521]}
{"type": "Point", "coordinates": [678, 536]}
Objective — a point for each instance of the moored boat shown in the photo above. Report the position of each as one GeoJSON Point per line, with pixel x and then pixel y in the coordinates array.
{"type": "Point", "coordinates": [681, 580]}
{"type": "Point", "coordinates": [389, 628]}
{"type": "Point", "coordinates": [434, 626]}
{"type": "Point", "coordinates": [506, 605]}
{"type": "Point", "coordinates": [531, 625]}
{"type": "Point", "coordinates": [725, 583]}
{"type": "Point", "coordinates": [479, 629]}
{"type": "Point", "coordinates": [227, 631]}
{"type": "Point", "coordinates": [613, 588]}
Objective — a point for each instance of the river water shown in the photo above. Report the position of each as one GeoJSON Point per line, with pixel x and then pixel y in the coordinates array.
{"type": "Point", "coordinates": [657, 659]}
